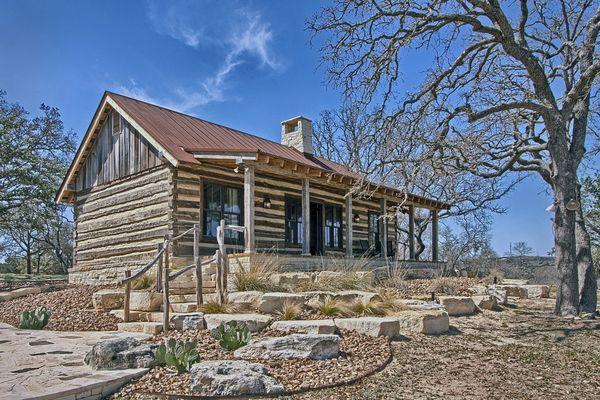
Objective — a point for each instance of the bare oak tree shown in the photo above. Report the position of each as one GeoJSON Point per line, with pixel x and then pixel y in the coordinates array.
{"type": "Point", "coordinates": [510, 86]}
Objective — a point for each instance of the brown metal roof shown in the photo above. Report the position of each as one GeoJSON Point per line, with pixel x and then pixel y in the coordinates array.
{"type": "Point", "coordinates": [181, 135]}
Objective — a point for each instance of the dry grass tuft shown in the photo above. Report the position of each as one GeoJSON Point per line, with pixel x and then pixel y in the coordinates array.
{"type": "Point", "coordinates": [364, 308]}
{"type": "Point", "coordinates": [445, 285]}
{"type": "Point", "coordinates": [257, 275]}
{"type": "Point", "coordinates": [145, 281]}
{"type": "Point", "coordinates": [390, 301]}
{"type": "Point", "coordinates": [329, 307]}
{"type": "Point", "coordinates": [213, 307]}
{"type": "Point", "coordinates": [289, 311]}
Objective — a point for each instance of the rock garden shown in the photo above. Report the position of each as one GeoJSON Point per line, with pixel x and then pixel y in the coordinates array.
{"type": "Point", "coordinates": [274, 334]}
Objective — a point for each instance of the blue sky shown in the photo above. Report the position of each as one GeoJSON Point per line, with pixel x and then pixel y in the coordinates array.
{"type": "Point", "coordinates": [248, 65]}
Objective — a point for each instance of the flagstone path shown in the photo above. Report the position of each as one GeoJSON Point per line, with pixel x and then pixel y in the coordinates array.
{"type": "Point", "coordinates": [49, 365]}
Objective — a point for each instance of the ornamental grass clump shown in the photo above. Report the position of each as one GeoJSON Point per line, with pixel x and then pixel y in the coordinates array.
{"type": "Point", "coordinates": [145, 281]}
{"type": "Point", "coordinates": [366, 308]}
{"type": "Point", "coordinates": [34, 319]}
{"type": "Point", "coordinates": [289, 311]}
{"type": "Point", "coordinates": [257, 276]}
{"type": "Point", "coordinates": [232, 335]}
{"type": "Point", "coordinates": [329, 307]}
{"type": "Point", "coordinates": [389, 301]}
{"type": "Point", "coordinates": [180, 354]}
{"type": "Point", "coordinates": [214, 307]}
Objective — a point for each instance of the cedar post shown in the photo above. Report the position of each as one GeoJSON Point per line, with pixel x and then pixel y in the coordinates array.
{"type": "Point", "coordinates": [349, 224]}
{"type": "Point", "coordinates": [199, 295]}
{"type": "Point", "coordinates": [249, 245]}
{"type": "Point", "coordinates": [434, 236]}
{"type": "Point", "coordinates": [383, 235]}
{"type": "Point", "coordinates": [305, 217]}
{"type": "Point", "coordinates": [166, 285]}
{"type": "Point", "coordinates": [159, 271]}
{"type": "Point", "coordinates": [222, 275]}
{"type": "Point", "coordinates": [127, 297]}
{"type": "Point", "coordinates": [411, 232]}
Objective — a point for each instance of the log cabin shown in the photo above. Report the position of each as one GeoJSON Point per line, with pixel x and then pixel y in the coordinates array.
{"type": "Point", "coordinates": [143, 172]}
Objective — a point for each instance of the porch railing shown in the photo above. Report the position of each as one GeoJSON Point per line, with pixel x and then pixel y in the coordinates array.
{"type": "Point", "coordinates": [164, 275]}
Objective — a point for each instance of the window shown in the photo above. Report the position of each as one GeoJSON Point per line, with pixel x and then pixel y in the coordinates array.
{"type": "Point", "coordinates": [222, 202]}
{"type": "Point", "coordinates": [333, 227]}
{"type": "Point", "coordinates": [374, 238]}
{"type": "Point", "coordinates": [293, 221]}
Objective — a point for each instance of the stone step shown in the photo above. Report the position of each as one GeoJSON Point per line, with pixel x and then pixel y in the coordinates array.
{"type": "Point", "coordinates": [191, 298]}
{"type": "Point", "coordinates": [183, 307]}
{"type": "Point", "coordinates": [189, 290]}
{"type": "Point", "coordinates": [151, 328]}
{"type": "Point", "coordinates": [185, 282]}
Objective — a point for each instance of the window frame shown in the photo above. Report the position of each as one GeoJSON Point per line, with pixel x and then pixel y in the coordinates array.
{"type": "Point", "coordinates": [205, 210]}
{"type": "Point", "coordinates": [373, 243]}
{"type": "Point", "coordinates": [289, 201]}
{"type": "Point", "coordinates": [330, 229]}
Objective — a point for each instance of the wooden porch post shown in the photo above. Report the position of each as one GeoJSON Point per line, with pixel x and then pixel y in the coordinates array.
{"type": "Point", "coordinates": [305, 217]}
{"type": "Point", "coordinates": [411, 232]}
{"type": "Point", "coordinates": [349, 224]}
{"type": "Point", "coordinates": [384, 227]}
{"type": "Point", "coordinates": [249, 209]}
{"type": "Point", "coordinates": [434, 236]}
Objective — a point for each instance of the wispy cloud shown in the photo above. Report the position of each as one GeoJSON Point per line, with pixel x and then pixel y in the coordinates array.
{"type": "Point", "coordinates": [240, 37]}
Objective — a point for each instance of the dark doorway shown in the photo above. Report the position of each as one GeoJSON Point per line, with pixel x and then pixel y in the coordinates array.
{"type": "Point", "coordinates": [316, 229]}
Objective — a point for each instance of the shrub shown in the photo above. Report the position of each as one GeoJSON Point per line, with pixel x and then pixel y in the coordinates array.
{"type": "Point", "coordinates": [364, 308]}
{"type": "Point", "coordinates": [177, 353]}
{"type": "Point", "coordinates": [329, 307]}
{"type": "Point", "coordinates": [34, 319]}
{"type": "Point", "coordinates": [494, 273]}
{"type": "Point", "coordinates": [232, 336]}
{"type": "Point", "coordinates": [289, 311]}
{"type": "Point", "coordinates": [213, 307]}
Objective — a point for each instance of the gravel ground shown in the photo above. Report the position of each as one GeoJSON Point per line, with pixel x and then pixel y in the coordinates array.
{"type": "Point", "coordinates": [519, 353]}
{"type": "Point", "coordinates": [360, 355]}
{"type": "Point", "coordinates": [71, 310]}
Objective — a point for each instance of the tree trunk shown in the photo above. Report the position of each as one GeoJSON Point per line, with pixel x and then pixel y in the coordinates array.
{"type": "Point", "coordinates": [28, 259]}
{"type": "Point", "coordinates": [567, 295]}
{"type": "Point", "coordinates": [588, 285]}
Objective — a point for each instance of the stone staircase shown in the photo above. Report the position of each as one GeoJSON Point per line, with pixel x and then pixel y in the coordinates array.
{"type": "Point", "coordinates": [182, 302]}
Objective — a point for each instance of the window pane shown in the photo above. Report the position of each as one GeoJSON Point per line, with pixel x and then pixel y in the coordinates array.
{"type": "Point", "coordinates": [336, 237]}
{"type": "Point", "coordinates": [299, 235]}
{"type": "Point", "coordinates": [232, 200]}
{"type": "Point", "coordinates": [329, 216]}
{"type": "Point", "coordinates": [211, 223]}
{"type": "Point", "coordinates": [213, 197]}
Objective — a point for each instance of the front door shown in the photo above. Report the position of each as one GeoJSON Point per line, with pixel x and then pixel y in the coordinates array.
{"type": "Point", "coordinates": [316, 229]}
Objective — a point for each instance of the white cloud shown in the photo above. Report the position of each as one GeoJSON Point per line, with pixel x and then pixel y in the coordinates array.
{"type": "Point", "coordinates": [240, 36]}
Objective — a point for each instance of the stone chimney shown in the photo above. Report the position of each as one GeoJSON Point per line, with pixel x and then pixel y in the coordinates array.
{"type": "Point", "coordinates": [297, 133]}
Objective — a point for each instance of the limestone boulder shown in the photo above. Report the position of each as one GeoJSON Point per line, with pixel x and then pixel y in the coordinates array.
{"type": "Point", "coordinates": [25, 291]}
{"type": "Point", "coordinates": [297, 345]}
{"type": "Point", "coordinates": [421, 304]}
{"type": "Point", "coordinates": [232, 378]}
{"type": "Point", "coordinates": [328, 275]}
{"type": "Point", "coordinates": [271, 303]}
{"type": "Point", "coordinates": [366, 276]}
{"type": "Point", "coordinates": [427, 322]}
{"type": "Point", "coordinates": [188, 321]}
{"type": "Point", "coordinates": [515, 291]}
{"type": "Point", "coordinates": [291, 278]}
{"type": "Point", "coordinates": [317, 326]}
{"type": "Point", "coordinates": [108, 299]}
{"type": "Point", "coordinates": [120, 353]}
{"type": "Point", "coordinates": [313, 298]}
{"type": "Point", "coordinates": [457, 306]}
{"type": "Point", "coordinates": [246, 299]}
{"type": "Point", "coordinates": [255, 322]}
{"type": "Point", "coordinates": [537, 291]}
{"type": "Point", "coordinates": [372, 326]}
{"type": "Point", "coordinates": [145, 301]}
{"type": "Point", "coordinates": [486, 302]}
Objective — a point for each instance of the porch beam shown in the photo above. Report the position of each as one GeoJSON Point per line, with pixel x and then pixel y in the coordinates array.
{"type": "Point", "coordinates": [349, 224]}
{"type": "Point", "coordinates": [434, 235]}
{"type": "Point", "coordinates": [305, 217]}
{"type": "Point", "coordinates": [411, 232]}
{"type": "Point", "coordinates": [249, 241]}
{"type": "Point", "coordinates": [384, 227]}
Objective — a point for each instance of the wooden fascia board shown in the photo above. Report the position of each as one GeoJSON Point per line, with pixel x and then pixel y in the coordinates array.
{"type": "Point", "coordinates": [242, 156]}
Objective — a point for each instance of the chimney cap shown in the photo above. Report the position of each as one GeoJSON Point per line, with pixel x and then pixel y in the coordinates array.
{"type": "Point", "coordinates": [295, 119]}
